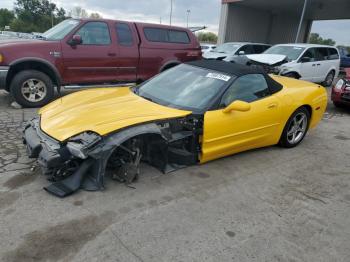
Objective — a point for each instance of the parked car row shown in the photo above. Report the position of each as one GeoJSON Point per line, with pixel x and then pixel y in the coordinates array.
{"type": "Point", "coordinates": [314, 63]}
{"type": "Point", "coordinates": [85, 52]}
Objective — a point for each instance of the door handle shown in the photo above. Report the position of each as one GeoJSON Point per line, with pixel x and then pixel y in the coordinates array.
{"type": "Point", "coordinates": [318, 64]}
{"type": "Point", "coordinates": [313, 64]}
{"type": "Point", "coordinates": [111, 54]}
{"type": "Point", "coordinates": [273, 105]}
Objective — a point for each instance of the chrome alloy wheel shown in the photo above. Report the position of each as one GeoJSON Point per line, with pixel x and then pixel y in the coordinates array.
{"type": "Point", "coordinates": [34, 90]}
{"type": "Point", "coordinates": [297, 128]}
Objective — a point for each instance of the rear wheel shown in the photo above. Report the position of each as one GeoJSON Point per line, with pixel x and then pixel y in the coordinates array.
{"type": "Point", "coordinates": [329, 79]}
{"type": "Point", "coordinates": [296, 128]}
{"type": "Point", "coordinates": [32, 88]}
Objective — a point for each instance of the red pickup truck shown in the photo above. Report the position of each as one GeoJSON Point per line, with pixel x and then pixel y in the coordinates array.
{"type": "Point", "coordinates": [83, 52]}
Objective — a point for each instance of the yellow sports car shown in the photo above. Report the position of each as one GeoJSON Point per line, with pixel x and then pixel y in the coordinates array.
{"type": "Point", "coordinates": [192, 113]}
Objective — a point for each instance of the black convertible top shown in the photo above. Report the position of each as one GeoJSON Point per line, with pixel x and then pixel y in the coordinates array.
{"type": "Point", "coordinates": [236, 70]}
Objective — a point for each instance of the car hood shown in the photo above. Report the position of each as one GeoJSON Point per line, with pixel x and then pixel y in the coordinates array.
{"type": "Point", "coordinates": [214, 55]}
{"type": "Point", "coordinates": [102, 110]}
{"type": "Point", "coordinates": [7, 41]}
{"type": "Point", "coordinates": [268, 59]}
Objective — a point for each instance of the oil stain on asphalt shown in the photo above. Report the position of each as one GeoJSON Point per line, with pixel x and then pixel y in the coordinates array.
{"type": "Point", "coordinates": [58, 241]}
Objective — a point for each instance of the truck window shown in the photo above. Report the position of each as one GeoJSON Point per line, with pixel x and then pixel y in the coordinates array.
{"type": "Point", "coordinates": [166, 35]}
{"type": "Point", "coordinates": [156, 34]}
{"type": "Point", "coordinates": [176, 36]}
{"type": "Point", "coordinates": [94, 33]}
{"type": "Point", "coordinates": [124, 34]}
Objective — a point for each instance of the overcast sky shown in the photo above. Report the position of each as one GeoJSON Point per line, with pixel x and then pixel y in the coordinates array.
{"type": "Point", "coordinates": [202, 12]}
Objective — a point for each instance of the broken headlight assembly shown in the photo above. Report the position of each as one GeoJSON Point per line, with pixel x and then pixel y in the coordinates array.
{"type": "Point", "coordinates": [342, 83]}
{"type": "Point", "coordinates": [80, 145]}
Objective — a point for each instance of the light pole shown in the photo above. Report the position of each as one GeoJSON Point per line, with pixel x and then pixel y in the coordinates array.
{"type": "Point", "coordinates": [188, 15]}
{"type": "Point", "coordinates": [301, 21]}
{"type": "Point", "coordinates": [171, 10]}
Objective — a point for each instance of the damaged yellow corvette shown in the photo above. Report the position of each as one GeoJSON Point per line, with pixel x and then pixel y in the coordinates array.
{"type": "Point", "coordinates": [192, 113]}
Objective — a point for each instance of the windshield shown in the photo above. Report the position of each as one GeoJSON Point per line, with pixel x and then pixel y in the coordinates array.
{"type": "Point", "coordinates": [60, 30]}
{"type": "Point", "coordinates": [292, 52]}
{"type": "Point", "coordinates": [227, 48]}
{"type": "Point", "coordinates": [185, 87]}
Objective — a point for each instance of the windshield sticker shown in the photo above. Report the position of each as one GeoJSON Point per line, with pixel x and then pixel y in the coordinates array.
{"type": "Point", "coordinates": [218, 76]}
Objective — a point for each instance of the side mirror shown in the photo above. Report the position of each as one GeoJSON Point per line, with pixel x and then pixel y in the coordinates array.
{"type": "Point", "coordinates": [305, 59]}
{"type": "Point", "coordinates": [241, 52]}
{"type": "Point", "coordinates": [76, 40]}
{"type": "Point", "coordinates": [237, 105]}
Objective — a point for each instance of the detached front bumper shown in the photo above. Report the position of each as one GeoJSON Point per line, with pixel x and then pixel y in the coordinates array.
{"type": "Point", "coordinates": [3, 74]}
{"type": "Point", "coordinates": [68, 172]}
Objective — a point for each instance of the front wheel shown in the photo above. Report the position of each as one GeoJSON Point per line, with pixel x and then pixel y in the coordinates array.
{"type": "Point", "coordinates": [296, 128]}
{"type": "Point", "coordinates": [31, 88]}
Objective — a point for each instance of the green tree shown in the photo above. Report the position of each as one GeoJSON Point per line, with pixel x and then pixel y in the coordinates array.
{"type": "Point", "coordinates": [208, 37]}
{"type": "Point", "coordinates": [317, 39]}
{"type": "Point", "coordinates": [36, 15]}
{"type": "Point", "coordinates": [6, 16]}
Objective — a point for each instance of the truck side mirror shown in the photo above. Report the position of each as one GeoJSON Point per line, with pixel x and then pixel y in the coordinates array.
{"type": "Point", "coordinates": [241, 52]}
{"type": "Point", "coordinates": [76, 40]}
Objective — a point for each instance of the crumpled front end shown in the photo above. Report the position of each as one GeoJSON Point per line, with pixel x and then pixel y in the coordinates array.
{"type": "Point", "coordinates": [82, 161]}
{"type": "Point", "coordinates": [67, 165]}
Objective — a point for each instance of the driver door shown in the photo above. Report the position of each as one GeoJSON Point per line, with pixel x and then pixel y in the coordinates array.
{"type": "Point", "coordinates": [92, 61]}
{"type": "Point", "coordinates": [232, 132]}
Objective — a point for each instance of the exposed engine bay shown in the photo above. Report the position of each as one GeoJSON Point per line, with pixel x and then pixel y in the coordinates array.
{"type": "Point", "coordinates": [84, 160]}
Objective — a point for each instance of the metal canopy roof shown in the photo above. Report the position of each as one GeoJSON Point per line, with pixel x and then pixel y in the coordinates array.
{"type": "Point", "coordinates": [316, 9]}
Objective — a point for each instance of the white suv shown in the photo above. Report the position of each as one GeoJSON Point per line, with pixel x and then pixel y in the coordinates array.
{"type": "Point", "coordinates": [314, 63]}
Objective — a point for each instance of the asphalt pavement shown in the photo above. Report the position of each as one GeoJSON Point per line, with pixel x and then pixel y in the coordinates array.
{"type": "Point", "coordinates": [269, 204]}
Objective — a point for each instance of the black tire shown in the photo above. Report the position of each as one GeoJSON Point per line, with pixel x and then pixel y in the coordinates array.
{"type": "Point", "coordinates": [292, 75]}
{"type": "Point", "coordinates": [337, 104]}
{"type": "Point", "coordinates": [329, 79]}
{"type": "Point", "coordinates": [20, 82]}
{"type": "Point", "coordinates": [284, 140]}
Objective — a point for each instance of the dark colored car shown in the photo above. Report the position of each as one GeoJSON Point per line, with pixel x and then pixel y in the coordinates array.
{"type": "Point", "coordinates": [341, 90]}
{"type": "Point", "coordinates": [81, 52]}
{"type": "Point", "coordinates": [344, 57]}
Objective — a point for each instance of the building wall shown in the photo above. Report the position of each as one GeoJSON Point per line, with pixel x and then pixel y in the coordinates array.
{"type": "Point", "coordinates": [246, 24]}
{"type": "Point", "coordinates": [239, 23]}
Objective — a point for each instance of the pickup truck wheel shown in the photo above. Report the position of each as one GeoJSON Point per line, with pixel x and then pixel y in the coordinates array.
{"type": "Point", "coordinates": [32, 88]}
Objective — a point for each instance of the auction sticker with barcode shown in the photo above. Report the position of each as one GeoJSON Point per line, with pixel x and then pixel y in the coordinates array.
{"type": "Point", "coordinates": [219, 76]}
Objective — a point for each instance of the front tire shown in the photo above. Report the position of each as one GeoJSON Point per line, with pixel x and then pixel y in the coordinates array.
{"type": "Point", "coordinates": [32, 88]}
{"type": "Point", "coordinates": [296, 128]}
